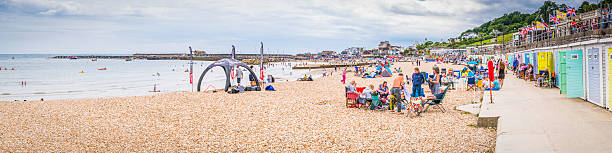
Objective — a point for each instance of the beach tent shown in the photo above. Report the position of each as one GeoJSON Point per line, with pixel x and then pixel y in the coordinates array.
{"type": "Point", "coordinates": [227, 65]}
{"type": "Point", "coordinates": [594, 76]}
{"type": "Point", "coordinates": [574, 74]}
{"type": "Point", "coordinates": [385, 73]}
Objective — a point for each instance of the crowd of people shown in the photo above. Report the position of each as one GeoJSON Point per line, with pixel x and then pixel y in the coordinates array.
{"type": "Point", "coordinates": [528, 72]}
{"type": "Point", "coordinates": [403, 88]}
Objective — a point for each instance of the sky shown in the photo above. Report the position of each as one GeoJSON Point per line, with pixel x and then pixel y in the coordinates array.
{"type": "Point", "coordinates": [284, 26]}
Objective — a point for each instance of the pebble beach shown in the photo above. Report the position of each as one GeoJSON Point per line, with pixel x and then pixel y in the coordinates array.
{"type": "Point", "coordinates": [286, 120]}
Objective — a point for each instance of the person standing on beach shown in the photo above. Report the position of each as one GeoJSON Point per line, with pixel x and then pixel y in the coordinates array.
{"type": "Point", "coordinates": [343, 76]}
{"type": "Point", "coordinates": [397, 92]}
{"type": "Point", "coordinates": [501, 73]}
{"type": "Point", "coordinates": [252, 78]}
{"type": "Point", "coordinates": [238, 74]}
{"type": "Point", "coordinates": [435, 82]}
{"type": "Point", "coordinates": [417, 80]}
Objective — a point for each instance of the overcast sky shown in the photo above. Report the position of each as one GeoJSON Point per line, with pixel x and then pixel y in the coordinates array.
{"type": "Point", "coordinates": [285, 26]}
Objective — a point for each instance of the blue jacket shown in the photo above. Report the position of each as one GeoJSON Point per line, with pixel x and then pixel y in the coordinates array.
{"type": "Point", "coordinates": [417, 79]}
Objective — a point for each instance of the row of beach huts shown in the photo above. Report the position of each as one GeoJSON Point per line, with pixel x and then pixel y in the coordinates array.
{"type": "Point", "coordinates": [583, 69]}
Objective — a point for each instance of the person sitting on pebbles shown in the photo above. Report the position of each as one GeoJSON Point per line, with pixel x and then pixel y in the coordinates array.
{"type": "Point", "coordinates": [351, 87]}
{"type": "Point", "coordinates": [383, 90]}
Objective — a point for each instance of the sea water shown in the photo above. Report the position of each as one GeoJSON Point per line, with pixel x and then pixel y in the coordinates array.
{"type": "Point", "coordinates": [37, 76]}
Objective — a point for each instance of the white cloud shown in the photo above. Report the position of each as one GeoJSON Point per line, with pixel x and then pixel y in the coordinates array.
{"type": "Point", "coordinates": [159, 25]}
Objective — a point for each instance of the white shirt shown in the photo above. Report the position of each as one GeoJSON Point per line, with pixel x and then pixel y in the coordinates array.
{"type": "Point", "coordinates": [367, 93]}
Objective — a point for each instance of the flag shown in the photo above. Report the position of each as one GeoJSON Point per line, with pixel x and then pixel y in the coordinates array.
{"type": "Point", "coordinates": [570, 11]}
{"type": "Point", "coordinates": [543, 24]}
{"type": "Point", "coordinates": [559, 15]}
{"type": "Point", "coordinates": [233, 52]}
{"type": "Point", "coordinates": [191, 66]}
{"type": "Point", "coordinates": [529, 28]}
{"type": "Point", "coordinates": [551, 18]}
{"type": "Point", "coordinates": [261, 74]}
{"type": "Point", "coordinates": [564, 16]}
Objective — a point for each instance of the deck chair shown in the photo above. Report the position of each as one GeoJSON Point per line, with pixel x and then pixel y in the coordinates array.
{"type": "Point", "coordinates": [471, 83]}
{"type": "Point", "coordinates": [351, 99]}
{"type": "Point", "coordinates": [436, 102]}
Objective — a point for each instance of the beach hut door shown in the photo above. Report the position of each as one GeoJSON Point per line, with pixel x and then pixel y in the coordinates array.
{"type": "Point", "coordinates": [574, 74]}
{"type": "Point", "coordinates": [535, 63]}
{"type": "Point", "coordinates": [594, 76]}
{"type": "Point", "coordinates": [609, 58]}
{"type": "Point", "coordinates": [562, 72]}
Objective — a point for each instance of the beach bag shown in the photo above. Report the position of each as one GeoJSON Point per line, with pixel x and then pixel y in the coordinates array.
{"type": "Point", "coordinates": [270, 88]}
{"type": "Point", "coordinates": [233, 90]}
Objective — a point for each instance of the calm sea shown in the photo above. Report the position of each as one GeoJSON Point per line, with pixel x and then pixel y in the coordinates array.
{"type": "Point", "coordinates": [50, 78]}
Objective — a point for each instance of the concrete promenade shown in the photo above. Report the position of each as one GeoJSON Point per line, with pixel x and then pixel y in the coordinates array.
{"type": "Point", "coordinates": [536, 119]}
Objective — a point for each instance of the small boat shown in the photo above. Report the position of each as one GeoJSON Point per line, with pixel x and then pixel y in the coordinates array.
{"type": "Point", "coordinates": [128, 59]}
{"type": "Point", "coordinates": [73, 57]}
{"type": "Point", "coordinates": [102, 69]}
{"type": "Point", "coordinates": [82, 72]}
{"type": "Point", "coordinates": [94, 59]}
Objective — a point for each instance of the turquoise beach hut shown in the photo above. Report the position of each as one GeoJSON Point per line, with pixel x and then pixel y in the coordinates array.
{"type": "Point", "coordinates": [574, 70]}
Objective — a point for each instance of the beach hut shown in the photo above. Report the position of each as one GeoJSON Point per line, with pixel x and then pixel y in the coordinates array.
{"type": "Point", "coordinates": [545, 60]}
{"type": "Point", "coordinates": [563, 72]}
{"type": "Point", "coordinates": [609, 59]}
{"type": "Point", "coordinates": [526, 58]}
{"type": "Point", "coordinates": [556, 65]}
{"type": "Point", "coordinates": [594, 75]}
{"type": "Point", "coordinates": [574, 73]}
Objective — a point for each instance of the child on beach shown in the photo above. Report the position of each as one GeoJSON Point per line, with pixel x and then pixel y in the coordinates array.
{"type": "Point", "coordinates": [417, 80]}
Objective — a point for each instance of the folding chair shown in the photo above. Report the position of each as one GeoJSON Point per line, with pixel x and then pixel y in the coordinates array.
{"type": "Point", "coordinates": [351, 99]}
{"type": "Point", "coordinates": [436, 102]}
{"type": "Point", "coordinates": [471, 83]}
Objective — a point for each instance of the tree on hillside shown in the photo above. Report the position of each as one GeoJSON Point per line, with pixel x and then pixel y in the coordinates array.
{"type": "Point", "coordinates": [586, 7]}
